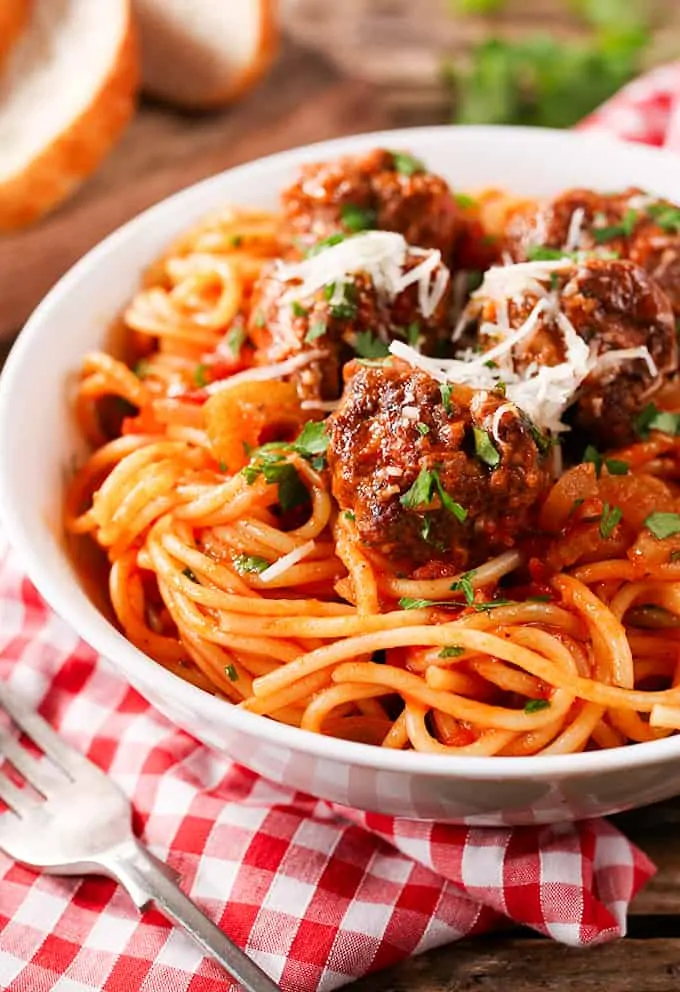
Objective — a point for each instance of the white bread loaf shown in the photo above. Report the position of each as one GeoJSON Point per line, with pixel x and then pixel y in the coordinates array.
{"type": "Point", "coordinates": [67, 90]}
{"type": "Point", "coordinates": [204, 53]}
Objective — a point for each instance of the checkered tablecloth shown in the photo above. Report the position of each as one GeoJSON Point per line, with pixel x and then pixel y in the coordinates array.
{"type": "Point", "coordinates": [318, 895]}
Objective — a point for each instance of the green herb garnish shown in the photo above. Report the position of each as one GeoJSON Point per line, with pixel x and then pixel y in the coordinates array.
{"type": "Point", "coordinates": [451, 651]}
{"type": "Point", "coordinates": [422, 492]}
{"type": "Point", "coordinates": [622, 230]}
{"type": "Point", "coordinates": [422, 428]}
{"type": "Point", "coordinates": [407, 603]}
{"type": "Point", "coordinates": [199, 376]}
{"type": "Point", "coordinates": [484, 448]}
{"type": "Point", "coordinates": [316, 330]}
{"type": "Point", "coordinates": [445, 388]}
{"type": "Point", "coordinates": [464, 585]}
{"type": "Point", "coordinates": [191, 575]}
{"type": "Point", "coordinates": [368, 345]}
{"type": "Point", "coordinates": [357, 218]}
{"type": "Point", "coordinates": [663, 525]}
{"type": "Point", "coordinates": [235, 339]}
{"type": "Point", "coordinates": [653, 419]}
{"type": "Point", "coordinates": [329, 242]}
{"type": "Point", "coordinates": [464, 200]}
{"type": "Point", "coordinates": [611, 516]}
{"type": "Point", "coordinates": [666, 216]}
{"type": "Point", "coordinates": [407, 164]}
{"type": "Point", "coordinates": [250, 563]}
{"type": "Point", "coordinates": [231, 673]}
{"type": "Point", "coordinates": [298, 309]}
{"type": "Point", "coordinates": [536, 705]}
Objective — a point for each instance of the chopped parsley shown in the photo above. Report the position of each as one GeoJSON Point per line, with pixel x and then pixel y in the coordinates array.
{"type": "Point", "coordinates": [613, 465]}
{"type": "Point", "coordinates": [413, 333]}
{"type": "Point", "coordinates": [611, 516]}
{"type": "Point", "coordinates": [666, 216]}
{"type": "Point", "coordinates": [349, 515]}
{"type": "Point", "coordinates": [273, 467]}
{"type": "Point", "coordinates": [554, 281]}
{"type": "Point", "coordinates": [357, 218]}
{"type": "Point", "coordinates": [675, 555]}
{"type": "Point", "coordinates": [542, 442]}
{"type": "Point", "coordinates": [663, 525]}
{"type": "Point", "coordinates": [333, 239]}
{"type": "Point", "coordinates": [622, 230]}
{"type": "Point", "coordinates": [250, 563]}
{"type": "Point", "coordinates": [422, 428]}
{"type": "Point", "coordinates": [231, 673]}
{"type": "Point", "coordinates": [298, 309]}
{"type": "Point", "coordinates": [407, 164]}
{"type": "Point", "coordinates": [222, 465]}
{"type": "Point", "coordinates": [484, 448]}
{"type": "Point", "coordinates": [451, 651]}
{"type": "Point", "coordinates": [189, 574]}
{"type": "Point", "coordinates": [464, 200]}
{"type": "Point", "coordinates": [493, 604]}
{"type": "Point", "coordinates": [141, 368]}
{"type": "Point", "coordinates": [199, 376]}
{"type": "Point", "coordinates": [260, 319]}
{"type": "Point", "coordinates": [316, 330]}
{"type": "Point", "coordinates": [345, 307]}
{"type": "Point", "coordinates": [544, 253]}
{"type": "Point", "coordinates": [539, 599]}
{"type": "Point", "coordinates": [423, 490]}
{"type": "Point", "coordinates": [368, 345]}
{"type": "Point", "coordinates": [536, 705]}
{"type": "Point", "coordinates": [313, 440]}
{"type": "Point", "coordinates": [653, 419]}
{"type": "Point", "coordinates": [446, 388]}
{"type": "Point", "coordinates": [464, 585]}
{"type": "Point", "coordinates": [235, 240]}
{"type": "Point", "coordinates": [408, 603]}
{"type": "Point", "coordinates": [234, 340]}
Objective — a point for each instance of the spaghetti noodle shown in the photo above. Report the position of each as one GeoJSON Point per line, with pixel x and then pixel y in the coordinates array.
{"type": "Point", "coordinates": [232, 565]}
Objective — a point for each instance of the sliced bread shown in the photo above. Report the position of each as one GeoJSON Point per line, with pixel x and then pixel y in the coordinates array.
{"type": "Point", "coordinates": [67, 90]}
{"type": "Point", "coordinates": [204, 53]}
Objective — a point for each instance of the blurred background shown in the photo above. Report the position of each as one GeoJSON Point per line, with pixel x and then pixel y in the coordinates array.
{"type": "Point", "coordinates": [333, 69]}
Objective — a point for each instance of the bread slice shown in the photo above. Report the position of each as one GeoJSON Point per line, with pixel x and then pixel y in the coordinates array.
{"type": "Point", "coordinates": [13, 16]}
{"type": "Point", "coordinates": [204, 53]}
{"type": "Point", "coordinates": [67, 90]}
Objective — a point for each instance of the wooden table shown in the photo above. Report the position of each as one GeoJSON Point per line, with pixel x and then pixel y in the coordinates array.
{"type": "Point", "coordinates": [312, 95]}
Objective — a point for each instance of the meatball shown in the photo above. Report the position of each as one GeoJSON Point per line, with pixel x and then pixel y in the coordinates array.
{"type": "Point", "coordinates": [432, 472]}
{"type": "Point", "coordinates": [390, 191]}
{"type": "Point", "coordinates": [343, 319]}
{"type": "Point", "coordinates": [612, 305]}
{"type": "Point", "coordinates": [630, 224]}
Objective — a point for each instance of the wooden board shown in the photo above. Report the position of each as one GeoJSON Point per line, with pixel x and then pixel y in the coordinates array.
{"type": "Point", "coordinates": [305, 99]}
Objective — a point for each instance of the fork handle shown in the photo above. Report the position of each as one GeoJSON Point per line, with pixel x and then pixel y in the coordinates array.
{"type": "Point", "coordinates": [148, 881]}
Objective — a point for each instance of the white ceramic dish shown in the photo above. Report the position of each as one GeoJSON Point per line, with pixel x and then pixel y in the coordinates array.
{"type": "Point", "coordinates": [38, 440]}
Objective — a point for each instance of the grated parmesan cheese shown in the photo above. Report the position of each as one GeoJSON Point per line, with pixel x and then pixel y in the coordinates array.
{"type": "Point", "coordinates": [286, 562]}
{"type": "Point", "coordinates": [382, 255]}
{"type": "Point", "coordinates": [543, 392]}
{"type": "Point", "coordinates": [574, 233]}
{"type": "Point", "coordinates": [260, 373]}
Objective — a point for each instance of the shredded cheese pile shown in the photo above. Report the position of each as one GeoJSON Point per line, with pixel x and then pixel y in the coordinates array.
{"type": "Point", "coordinates": [543, 392]}
{"type": "Point", "coordinates": [382, 256]}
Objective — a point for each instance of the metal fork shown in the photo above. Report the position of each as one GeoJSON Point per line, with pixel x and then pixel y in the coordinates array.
{"type": "Point", "coordinates": [83, 827]}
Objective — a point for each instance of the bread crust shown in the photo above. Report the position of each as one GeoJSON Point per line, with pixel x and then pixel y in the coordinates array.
{"type": "Point", "coordinates": [13, 16]}
{"type": "Point", "coordinates": [75, 153]}
{"type": "Point", "coordinates": [170, 90]}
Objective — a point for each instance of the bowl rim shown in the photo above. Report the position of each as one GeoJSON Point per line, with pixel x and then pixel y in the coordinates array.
{"type": "Point", "coordinates": [111, 644]}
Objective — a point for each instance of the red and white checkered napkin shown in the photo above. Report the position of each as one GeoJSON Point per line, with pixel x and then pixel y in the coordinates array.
{"type": "Point", "coordinates": [317, 894]}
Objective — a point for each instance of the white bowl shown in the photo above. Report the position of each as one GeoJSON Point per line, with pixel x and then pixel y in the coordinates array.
{"type": "Point", "coordinates": [38, 440]}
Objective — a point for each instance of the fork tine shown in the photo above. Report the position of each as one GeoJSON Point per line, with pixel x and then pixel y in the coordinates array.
{"type": "Point", "coordinates": [39, 777]}
{"type": "Point", "coordinates": [40, 731]}
{"type": "Point", "coordinates": [14, 797]}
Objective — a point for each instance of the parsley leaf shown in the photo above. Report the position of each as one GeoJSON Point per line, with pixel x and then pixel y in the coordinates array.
{"type": "Point", "coordinates": [316, 330]}
{"type": "Point", "coordinates": [621, 230]}
{"type": "Point", "coordinates": [536, 705]}
{"type": "Point", "coordinates": [231, 673]}
{"type": "Point", "coordinates": [451, 651]}
{"type": "Point", "coordinates": [666, 216]}
{"type": "Point", "coordinates": [663, 525]}
{"type": "Point", "coordinates": [313, 439]}
{"type": "Point", "coordinates": [422, 428]}
{"type": "Point", "coordinates": [408, 603]}
{"type": "Point", "coordinates": [544, 253]}
{"type": "Point", "coordinates": [190, 574]}
{"type": "Point", "coordinates": [446, 388]}
{"type": "Point", "coordinates": [235, 339]}
{"type": "Point", "coordinates": [484, 448]}
{"type": "Point", "coordinates": [329, 242]}
{"type": "Point", "coordinates": [407, 164]}
{"type": "Point", "coordinates": [199, 376]}
{"type": "Point", "coordinates": [423, 490]}
{"type": "Point", "coordinates": [611, 516]}
{"type": "Point", "coordinates": [298, 309]}
{"type": "Point", "coordinates": [413, 333]}
{"type": "Point", "coordinates": [464, 200]}
{"type": "Point", "coordinates": [260, 320]}
{"type": "Point", "coordinates": [250, 563]}
{"type": "Point", "coordinates": [271, 464]}
{"type": "Point", "coordinates": [653, 419]}
{"type": "Point", "coordinates": [491, 605]}
{"type": "Point", "coordinates": [367, 345]}
{"type": "Point", "coordinates": [357, 218]}
{"type": "Point", "coordinates": [464, 585]}
{"type": "Point", "coordinates": [141, 368]}
{"type": "Point", "coordinates": [350, 515]}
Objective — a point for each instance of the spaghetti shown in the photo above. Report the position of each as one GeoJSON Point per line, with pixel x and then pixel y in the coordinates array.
{"type": "Point", "coordinates": [232, 565]}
